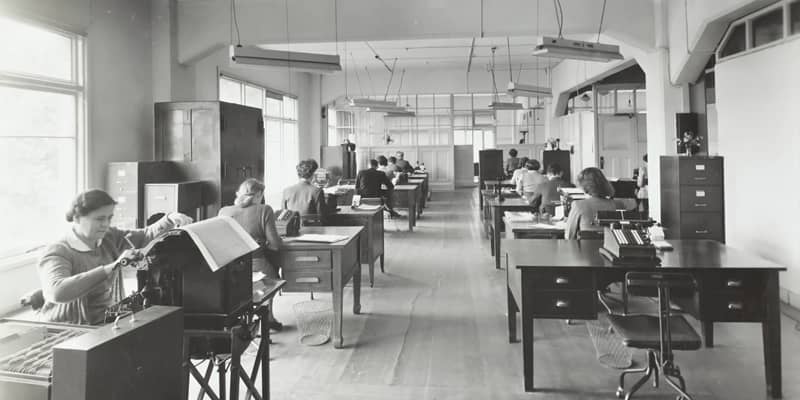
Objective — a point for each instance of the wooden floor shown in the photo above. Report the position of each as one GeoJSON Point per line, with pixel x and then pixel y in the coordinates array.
{"type": "Point", "coordinates": [434, 327]}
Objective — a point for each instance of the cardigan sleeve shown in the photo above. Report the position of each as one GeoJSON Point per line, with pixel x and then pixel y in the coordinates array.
{"type": "Point", "coordinates": [59, 285]}
{"type": "Point", "coordinates": [274, 241]}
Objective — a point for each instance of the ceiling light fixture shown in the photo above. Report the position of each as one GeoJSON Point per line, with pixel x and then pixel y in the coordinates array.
{"type": "Point", "coordinates": [497, 104]}
{"type": "Point", "coordinates": [559, 47]}
{"type": "Point", "coordinates": [520, 89]}
{"type": "Point", "coordinates": [310, 62]}
{"type": "Point", "coordinates": [370, 103]}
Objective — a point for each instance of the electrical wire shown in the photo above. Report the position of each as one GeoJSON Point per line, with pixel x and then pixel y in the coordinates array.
{"type": "Point", "coordinates": [236, 23]}
{"type": "Point", "coordinates": [602, 16]}
{"type": "Point", "coordinates": [559, 16]}
{"type": "Point", "coordinates": [288, 42]}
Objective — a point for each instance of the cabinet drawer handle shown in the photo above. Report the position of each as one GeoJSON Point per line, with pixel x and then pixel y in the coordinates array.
{"type": "Point", "coordinates": [307, 280]}
{"type": "Point", "coordinates": [562, 304]}
{"type": "Point", "coordinates": [561, 280]}
{"type": "Point", "coordinates": [702, 231]}
{"type": "Point", "coordinates": [700, 178]}
{"type": "Point", "coordinates": [733, 283]}
{"type": "Point", "coordinates": [735, 306]}
{"type": "Point", "coordinates": [307, 259]}
{"type": "Point", "coordinates": [700, 205]}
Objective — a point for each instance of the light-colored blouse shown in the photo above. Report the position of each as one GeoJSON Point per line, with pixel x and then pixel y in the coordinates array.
{"type": "Point", "coordinates": [75, 290]}
{"type": "Point", "coordinates": [583, 214]}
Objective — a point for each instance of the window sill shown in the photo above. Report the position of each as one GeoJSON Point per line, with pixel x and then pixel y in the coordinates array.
{"type": "Point", "coordinates": [20, 261]}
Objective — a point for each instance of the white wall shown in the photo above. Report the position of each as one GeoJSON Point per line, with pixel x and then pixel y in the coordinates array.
{"type": "Point", "coordinates": [759, 136]}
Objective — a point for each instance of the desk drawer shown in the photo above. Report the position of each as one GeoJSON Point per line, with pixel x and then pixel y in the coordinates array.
{"type": "Point", "coordinates": [306, 259]}
{"type": "Point", "coordinates": [733, 307]}
{"type": "Point", "coordinates": [701, 198]}
{"type": "Point", "coordinates": [308, 280]}
{"type": "Point", "coordinates": [577, 304]}
{"type": "Point", "coordinates": [561, 279]}
{"type": "Point", "coordinates": [734, 281]}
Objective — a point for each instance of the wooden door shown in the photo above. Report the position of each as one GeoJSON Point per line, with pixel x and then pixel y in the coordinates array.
{"type": "Point", "coordinates": [618, 145]}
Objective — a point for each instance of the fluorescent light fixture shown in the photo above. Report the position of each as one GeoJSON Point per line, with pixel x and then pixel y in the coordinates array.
{"type": "Point", "coordinates": [384, 109]}
{"type": "Point", "coordinates": [519, 89]}
{"type": "Point", "coordinates": [252, 55]}
{"type": "Point", "coordinates": [498, 105]}
{"type": "Point", "coordinates": [400, 114]}
{"type": "Point", "coordinates": [367, 103]}
{"type": "Point", "coordinates": [577, 50]}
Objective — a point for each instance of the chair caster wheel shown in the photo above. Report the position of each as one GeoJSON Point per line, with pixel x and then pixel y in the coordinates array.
{"type": "Point", "coordinates": [620, 393]}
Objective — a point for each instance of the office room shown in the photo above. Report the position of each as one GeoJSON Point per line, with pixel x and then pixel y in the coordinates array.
{"type": "Point", "coordinates": [442, 199]}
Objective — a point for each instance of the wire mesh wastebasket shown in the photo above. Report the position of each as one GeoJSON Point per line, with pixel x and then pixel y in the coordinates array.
{"type": "Point", "coordinates": [608, 345]}
{"type": "Point", "coordinates": [315, 320]}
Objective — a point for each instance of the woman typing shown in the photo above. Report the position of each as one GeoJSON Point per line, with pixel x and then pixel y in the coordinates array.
{"type": "Point", "coordinates": [79, 273]}
{"type": "Point", "coordinates": [584, 212]}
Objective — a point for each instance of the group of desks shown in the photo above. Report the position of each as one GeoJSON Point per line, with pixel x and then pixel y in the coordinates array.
{"type": "Point", "coordinates": [328, 267]}
{"type": "Point", "coordinates": [559, 279]}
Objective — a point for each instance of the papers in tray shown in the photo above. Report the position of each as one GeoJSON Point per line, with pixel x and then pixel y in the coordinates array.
{"type": "Point", "coordinates": [315, 237]}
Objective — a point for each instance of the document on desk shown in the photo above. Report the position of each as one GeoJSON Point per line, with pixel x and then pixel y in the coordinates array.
{"type": "Point", "coordinates": [316, 237]}
{"type": "Point", "coordinates": [568, 190]}
{"type": "Point", "coordinates": [367, 207]}
{"type": "Point", "coordinates": [518, 216]}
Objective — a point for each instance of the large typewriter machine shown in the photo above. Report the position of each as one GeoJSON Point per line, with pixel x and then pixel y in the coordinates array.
{"type": "Point", "coordinates": [200, 276]}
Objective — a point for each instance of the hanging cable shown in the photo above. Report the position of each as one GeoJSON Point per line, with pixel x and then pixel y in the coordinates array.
{"type": "Point", "coordinates": [236, 24]}
{"type": "Point", "coordinates": [494, 81]}
{"type": "Point", "coordinates": [371, 84]}
{"type": "Point", "coordinates": [288, 42]}
{"type": "Point", "coordinates": [391, 76]}
{"type": "Point", "coordinates": [510, 74]}
{"type": "Point", "coordinates": [360, 88]}
{"type": "Point", "coordinates": [602, 15]}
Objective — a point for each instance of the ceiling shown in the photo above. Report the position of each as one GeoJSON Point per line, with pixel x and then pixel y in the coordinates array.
{"type": "Point", "coordinates": [451, 53]}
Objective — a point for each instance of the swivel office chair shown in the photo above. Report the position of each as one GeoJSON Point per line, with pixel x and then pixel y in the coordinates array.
{"type": "Point", "coordinates": [658, 334]}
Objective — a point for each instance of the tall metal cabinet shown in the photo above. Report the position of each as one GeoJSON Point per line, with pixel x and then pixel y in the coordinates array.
{"type": "Point", "coordinates": [692, 197]}
{"type": "Point", "coordinates": [213, 141]}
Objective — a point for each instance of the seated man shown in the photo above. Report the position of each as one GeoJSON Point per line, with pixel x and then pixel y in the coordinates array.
{"type": "Point", "coordinates": [526, 186]}
{"type": "Point", "coordinates": [547, 192]}
{"type": "Point", "coordinates": [370, 183]}
{"type": "Point", "coordinates": [303, 196]}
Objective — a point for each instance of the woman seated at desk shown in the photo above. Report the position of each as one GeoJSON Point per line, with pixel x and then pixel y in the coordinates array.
{"type": "Point", "coordinates": [258, 220]}
{"type": "Point", "coordinates": [303, 196]}
{"type": "Point", "coordinates": [530, 179]}
{"type": "Point", "coordinates": [80, 273]}
{"type": "Point", "coordinates": [584, 212]}
{"type": "Point", "coordinates": [517, 175]}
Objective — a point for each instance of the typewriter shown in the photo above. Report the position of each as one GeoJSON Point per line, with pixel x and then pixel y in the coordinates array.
{"type": "Point", "coordinates": [287, 222]}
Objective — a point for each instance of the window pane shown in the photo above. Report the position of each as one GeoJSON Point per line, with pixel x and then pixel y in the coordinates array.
{"type": "Point", "coordinates": [768, 27]}
{"type": "Point", "coordinates": [45, 161]}
{"type": "Point", "coordinates": [254, 96]}
{"type": "Point", "coordinates": [736, 41]}
{"type": "Point", "coordinates": [794, 16]}
{"type": "Point", "coordinates": [462, 102]}
{"type": "Point", "coordinates": [274, 108]}
{"type": "Point", "coordinates": [289, 108]}
{"type": "Point", "coordinates": [26, 112]}
{"type": "Point", "coordinates": [230, 90]}
{"type": "Point", "coordinates": [35, 51]}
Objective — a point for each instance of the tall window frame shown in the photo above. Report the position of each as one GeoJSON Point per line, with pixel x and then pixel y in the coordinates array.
{"type": "Point", "coordinates": [43, 103]}
{"type": "Point", "coordinates": [280, 112]}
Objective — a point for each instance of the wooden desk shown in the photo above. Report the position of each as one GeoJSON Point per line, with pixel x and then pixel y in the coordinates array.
{"type": "Point", "coordinates": [483, 184]}
{"type": "Point", "coordinates": [426, 188]}
{"type": "Point", "coordinates": [532, 230]}
{"type": "Point", "coordinates": [405, 196]}
{"type": "Point", "coordinates": [325, 267]}
{"type": "Point", "coordinates": [494, 210]}
{"type": "Point", "coordinates": [558, 279]}
{"type": "Point", "coordinates": [372, 244]}
{"type": "Point", "coordinates": [423, 190]}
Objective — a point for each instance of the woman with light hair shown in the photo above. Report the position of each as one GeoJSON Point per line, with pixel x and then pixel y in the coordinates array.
{"type": "Point", "coordinates": [258, 220]}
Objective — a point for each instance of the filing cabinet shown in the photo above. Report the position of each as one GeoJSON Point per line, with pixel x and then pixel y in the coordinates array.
{"type": "Point", "coordinates": [182, 197]}
{"type": "Point", "coordinates": [693, 197]}
{"type": "Point", "coordinates": [125, 183]}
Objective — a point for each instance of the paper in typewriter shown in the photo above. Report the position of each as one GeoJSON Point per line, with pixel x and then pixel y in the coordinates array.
{"type": "Point", "coordinates": [220, 240]}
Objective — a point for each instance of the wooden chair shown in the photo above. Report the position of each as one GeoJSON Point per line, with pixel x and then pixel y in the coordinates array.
{"type": "Point", "coordinates": [659, 334]}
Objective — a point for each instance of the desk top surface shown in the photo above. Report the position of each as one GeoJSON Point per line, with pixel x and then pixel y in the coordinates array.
{"type": "Point", "coordinates": [700, 254]}
{"type": "Point", "coordinates": [350, 231]}
{"type": "Point", "coordinates": [512, 202]}
{"type": "Point", "coordinates": [347, 210]}
{"type": "Point", "coordinates": [516, 226]}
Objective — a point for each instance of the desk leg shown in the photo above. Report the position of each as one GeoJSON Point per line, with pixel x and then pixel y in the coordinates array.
{"type": "Point", "coordinates": [265, 355]}
{"type": "Point", "coordinates": [236, 361]}
{"type": "Point", "coordinates": [512, 316]}
{"type": "Point", "coordinates": [412, 210]}
{"type": "Point", "coordinates": [382, 270]}
{"type": "Point", "coordinates": [496, 237]}
{"type": "Point", "coordinates": [527, 348]}
{"type": "Point", "coordinates": [771, 336]}
{"type": "Point", "coordinates": [357, 281]}
{"type": "Point", "coordinates": [338, 289]}
{"type": "Point", "coordinates": [708, 332]}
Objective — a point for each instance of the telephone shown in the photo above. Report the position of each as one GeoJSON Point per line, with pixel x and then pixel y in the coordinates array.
{"type": "Point", "coordinates": [624, 243]}
{"type": "Point", "coordinates": [287, 222]}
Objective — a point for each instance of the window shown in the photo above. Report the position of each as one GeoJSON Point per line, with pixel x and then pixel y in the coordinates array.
{"type": "Point", "coordinates": [42, 106]}
{"type": "Point", "coordinates": [737, 41]}
{"type": "Point", "coordinates": [281, 153]}
{"type": "Point", "coordinates": [794, 17]}
{"type": "Point", "coordinates": [768, 27]}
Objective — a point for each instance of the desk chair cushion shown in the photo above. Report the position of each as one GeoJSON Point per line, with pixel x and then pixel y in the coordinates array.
{"type": "Point", "coordinates": [642, 331]}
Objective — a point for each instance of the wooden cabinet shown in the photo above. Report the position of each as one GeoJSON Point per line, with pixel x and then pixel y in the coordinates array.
{"type": "Point", "coordinates": [213, 141]}
{"type": "Point", "coordinates": [182, 197]}
{"type": "Point", "coordinates": [125, 183]}
{"type": "Point", "coordinates": [693, 197]}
